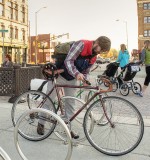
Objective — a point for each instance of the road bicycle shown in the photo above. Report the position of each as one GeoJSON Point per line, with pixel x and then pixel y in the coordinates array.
{"type": "Point", "coordinates": [119, 136]}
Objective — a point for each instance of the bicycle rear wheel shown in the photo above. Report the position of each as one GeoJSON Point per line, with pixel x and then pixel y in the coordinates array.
{"type": "Point", "coordinates": [123, 134]}
{"type": "Point", "coordinates": [27, 101]}
{"type": "Point", "coordinates": [41, 150]}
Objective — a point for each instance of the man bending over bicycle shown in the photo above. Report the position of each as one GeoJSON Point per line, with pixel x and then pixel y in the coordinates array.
{"type": "Point", "coordinates": [81, 56]}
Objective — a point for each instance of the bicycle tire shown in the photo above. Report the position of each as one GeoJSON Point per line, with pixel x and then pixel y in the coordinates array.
{"type": "Point", "coordinates": [136, 87]}
{"type": "Point", "coordinates": [124, 135]}
{"type": "Point", "coordinates": [75, 125]}
{"type": "Point", "coordinates": [124, 89]}
{"type": "Point", "coordinates": [21, 144]}
{"type": "Point", "coordinates": [32, 99]}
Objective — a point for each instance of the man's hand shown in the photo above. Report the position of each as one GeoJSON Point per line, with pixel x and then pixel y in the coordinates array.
{"type": "Point", "coordinates": [80, 77]}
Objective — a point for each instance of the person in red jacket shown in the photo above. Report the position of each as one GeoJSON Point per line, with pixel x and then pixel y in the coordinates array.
{"type": "Point", "coordinates": [82, 55]}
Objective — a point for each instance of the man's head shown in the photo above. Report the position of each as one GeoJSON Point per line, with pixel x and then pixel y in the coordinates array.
{"type": "Point", "coordinates": [102, 44]}
{"type": "Point", "coordinates": [146, 43]}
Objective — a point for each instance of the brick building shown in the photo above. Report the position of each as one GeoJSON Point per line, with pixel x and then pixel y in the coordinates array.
{"type": "Point", "coordinates": [45, 47]}
{"type": "Point", "coordinates": [143, 8]}
{"type": "Point", "coordinates": [14, 19]}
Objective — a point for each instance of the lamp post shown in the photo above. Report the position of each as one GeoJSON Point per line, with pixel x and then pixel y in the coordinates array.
{"type": "Point", "coordinates": [126, 25]}
{"type": "Point", "coordinates": [36, 32]}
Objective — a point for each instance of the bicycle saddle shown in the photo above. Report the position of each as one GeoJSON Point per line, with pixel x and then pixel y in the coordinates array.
{"type": "Point", "coordinates": [50, 71]}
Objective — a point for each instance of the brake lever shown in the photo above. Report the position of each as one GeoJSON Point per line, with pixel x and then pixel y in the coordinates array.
{"type": "Point", "coordinates": [86, 81]}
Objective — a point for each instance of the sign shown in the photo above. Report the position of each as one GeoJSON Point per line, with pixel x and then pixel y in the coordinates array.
{"type": "Point", "coordinates": [3, 30]}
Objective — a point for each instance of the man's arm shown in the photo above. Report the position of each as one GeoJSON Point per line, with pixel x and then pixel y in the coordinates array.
{"type": "Point", "coordinates": [73, 54]}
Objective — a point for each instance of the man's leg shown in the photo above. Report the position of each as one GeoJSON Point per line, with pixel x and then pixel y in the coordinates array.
{"type": "Point", "coordinates": [41, 123]}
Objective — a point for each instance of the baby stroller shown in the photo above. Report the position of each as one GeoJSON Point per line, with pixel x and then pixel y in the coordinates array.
{"type": "Point", "coordinates": [126, 82]}
{"type": "Point", "coordinates": [110, 73]}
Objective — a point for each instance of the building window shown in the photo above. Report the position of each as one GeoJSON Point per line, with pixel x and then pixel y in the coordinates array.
{"type": "Point", "coordinates": [11, 13]}
{"type": "Point", "coordinates": [3, 33]}
{"type": "Point", "coordinates": [1, 10]}
{"type": "Point", "coordinates": [11, 32]}
{"type": "Point", "coordinates": [23, 34]}
{"type": "Point", "coordinates": [146, 5]}
{"type": "Point", "coordinates": [23, 1]}
{"type": "Point", "coordinates": [146, 19]}
{"type": "Point", "coordinates": [16, 12]}
{"type": "Point", "coordinates": [23, 14]}
{"type": "Point", "coordinates": [16, 33]}
{"type": "Point", "coordinates": [147, 33]}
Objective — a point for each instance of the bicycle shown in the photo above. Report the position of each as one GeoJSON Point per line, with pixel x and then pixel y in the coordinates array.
{"type": "Point", "coordinates": [119, 136]}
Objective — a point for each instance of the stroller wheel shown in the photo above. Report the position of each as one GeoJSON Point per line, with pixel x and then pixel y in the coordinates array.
{"type": "Point", "coordinates": [136, 87]}
{"type": "Point", "coordinates": [124, 89]}
{"type": "Point", "coordinates": [115, 86]}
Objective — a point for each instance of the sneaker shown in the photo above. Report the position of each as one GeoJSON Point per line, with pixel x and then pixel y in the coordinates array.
{"type": "Point", "coordinates": [40, 129]}
{"type": "Point", "coordinates": [140, 93]}
{"type": "Point", "coordinates": [73, 135]}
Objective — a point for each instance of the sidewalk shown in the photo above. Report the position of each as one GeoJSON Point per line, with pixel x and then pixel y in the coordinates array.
{"type": "Point", "coordinates": [83, 151]}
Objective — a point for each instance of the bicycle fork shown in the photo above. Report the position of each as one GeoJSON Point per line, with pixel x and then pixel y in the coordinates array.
{"type": "Point", "coordinates": [105, 111]}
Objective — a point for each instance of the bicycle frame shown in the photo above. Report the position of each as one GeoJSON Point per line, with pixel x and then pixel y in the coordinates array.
{"type": "Point", "coordinates": [98, 93]}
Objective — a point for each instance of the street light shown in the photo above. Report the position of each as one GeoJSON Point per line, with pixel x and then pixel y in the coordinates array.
{"type": "Point", "coordinates": [126, 30]}
{"type": "Point", "coordinates": [36, 32]}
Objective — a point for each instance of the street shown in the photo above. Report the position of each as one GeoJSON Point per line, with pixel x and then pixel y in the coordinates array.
{"type": "Point", "coordinates": [54, 149]}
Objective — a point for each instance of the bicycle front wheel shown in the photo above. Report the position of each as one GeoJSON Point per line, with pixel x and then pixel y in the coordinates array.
{"type": "Point", "coordinates": [124, 131]}
{"type": "Point", "coordinates": [28, 101]}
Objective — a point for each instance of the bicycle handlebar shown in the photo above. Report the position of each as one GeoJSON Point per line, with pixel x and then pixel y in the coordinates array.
{"type": "Point", "coordinates": [110, 87]}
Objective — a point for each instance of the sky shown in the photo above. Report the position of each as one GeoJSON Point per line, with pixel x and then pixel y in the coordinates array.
{"type": "Point", "coordinates": [87, 19]}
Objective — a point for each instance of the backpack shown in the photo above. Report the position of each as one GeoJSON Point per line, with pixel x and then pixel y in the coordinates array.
{"type": "Point", "coordinates": [63, 48]}
{"type": "Point", "coordinates": [60, 52]}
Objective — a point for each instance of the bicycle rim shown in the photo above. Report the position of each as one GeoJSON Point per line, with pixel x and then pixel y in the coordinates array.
{"type": "Point", "coordinates": [123, 135]}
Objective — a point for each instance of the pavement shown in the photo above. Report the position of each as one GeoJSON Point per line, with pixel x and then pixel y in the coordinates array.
{"type": "Point", "coordinates": [54, 149]}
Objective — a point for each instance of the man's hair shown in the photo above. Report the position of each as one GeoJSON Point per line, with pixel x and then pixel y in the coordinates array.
{"type": "Point", "coordinates": [104, 42]}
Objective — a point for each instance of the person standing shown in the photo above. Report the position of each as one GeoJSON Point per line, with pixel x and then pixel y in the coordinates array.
{"type": "Point", "coordinates": [81, 56]}
{"type": "Point", "coordinates": [7, 62]}
{"type": "Point", "coordinates": [145, 58]}
{"type": "Point", "coordinates": [123, 57]}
